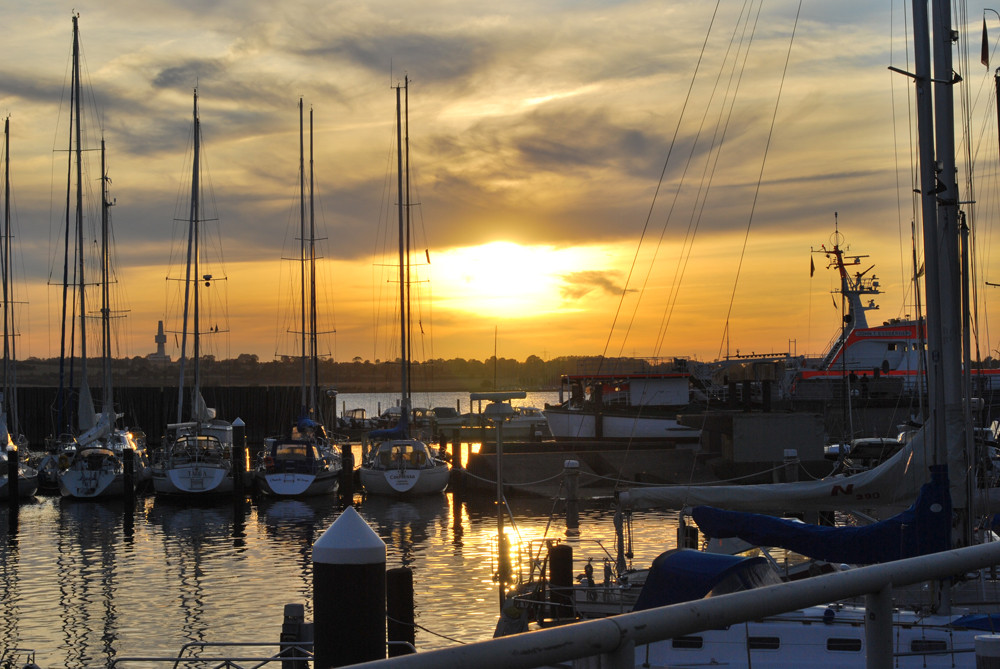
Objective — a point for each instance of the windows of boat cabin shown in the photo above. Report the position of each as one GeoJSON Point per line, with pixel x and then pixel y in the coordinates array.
{"type": "Point", "coordinates": [763, 643]}
{"type": "Point", "coordinates": [687, 642]}
{"type": "Point", "coordinates": [928, 646]}
{"type": "Point", "coordinates": [843, 644]}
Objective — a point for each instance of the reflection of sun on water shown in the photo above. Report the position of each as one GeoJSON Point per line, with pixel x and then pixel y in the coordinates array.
{"type": "Point", "coordinates": [502, 278]}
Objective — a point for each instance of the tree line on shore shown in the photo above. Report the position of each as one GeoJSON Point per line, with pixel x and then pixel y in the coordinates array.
{"type": "Point", "coordinates": [356, 376]}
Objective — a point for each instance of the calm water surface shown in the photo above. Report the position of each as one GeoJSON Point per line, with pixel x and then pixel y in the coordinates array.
{"type": "Point", "coordinates": [85, 582]}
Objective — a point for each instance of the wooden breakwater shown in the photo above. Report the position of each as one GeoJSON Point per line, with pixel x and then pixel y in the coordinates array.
{"type": "Point", "coordinates": [266, 410]}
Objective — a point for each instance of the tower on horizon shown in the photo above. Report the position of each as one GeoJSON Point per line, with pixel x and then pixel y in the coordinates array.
{"type": "Point", "coordinates": [161, 341]}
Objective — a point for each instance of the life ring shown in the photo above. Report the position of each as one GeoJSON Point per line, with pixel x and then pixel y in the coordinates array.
{"type": "Point", "coordinates": [268, 463]}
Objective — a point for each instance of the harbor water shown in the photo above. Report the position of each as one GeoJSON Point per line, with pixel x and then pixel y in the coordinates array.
{"type": "Point", "coordinates": [86, 583]}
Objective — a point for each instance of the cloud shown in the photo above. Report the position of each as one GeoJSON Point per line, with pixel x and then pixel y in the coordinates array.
{"type": "Point", "coordinates": [577, 285]}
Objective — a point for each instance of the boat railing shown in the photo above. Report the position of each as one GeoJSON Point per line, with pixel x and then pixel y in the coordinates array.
{"type": "Point", "coordinates": [614, 639]}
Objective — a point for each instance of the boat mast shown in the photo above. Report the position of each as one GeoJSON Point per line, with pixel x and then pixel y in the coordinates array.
{"type": "Point", "coordinates": [5, 258]}
{"type": "Point", "coordinates": [949, 280]}
{"type": "Point", "coordinates": [62, 418]}
{"type": "Point", "coordinates": [191, 276]}
{"type": "Point", "coordinates": [107, 399]}
{"type": "Point", "coordinates": [81, 284]}
{"type": "Point", "coordinates": [409, 316]}
{"type": "Point", "coordinates": [313, 332]}
{"type": "Point", "coordinates": [302, 261]}
{"type": "Point", "coordinates": [403, 347]}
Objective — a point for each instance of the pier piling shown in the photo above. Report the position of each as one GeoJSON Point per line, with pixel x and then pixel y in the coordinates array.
{"type": "Point", "coordinates": [239, 458]}
{"type": "Point", "coordinates": [13, 492]}
{"type": "Point", "coordinates": [571, 474]}
{"type": "Point", "coordinates": [399, 611]}
{"type": "Point", "coordinates": [349, 602]}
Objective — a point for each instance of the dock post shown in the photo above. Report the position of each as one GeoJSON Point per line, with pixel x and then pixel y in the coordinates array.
{"type": "Point", "coordinates": [348, 593]}
{"type": "Point", "coordinates": [295, 630]}
{"type": "Point", "coordinates": [347, 474]}
{"type": "Point", "coordinates": [239, 458]}
{"type": "Point", "coordinates": [13, 469]}
{"type": "Point", "coordinates": [128, 470]}
{"type": "Point", "coordinates": [399, 611]}
{"type": "Point", "coordinates": [571, 474]}
{"type": "Point", "coordinates": [878, 629]}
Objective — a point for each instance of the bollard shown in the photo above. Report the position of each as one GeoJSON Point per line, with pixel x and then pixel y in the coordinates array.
{"type": "Point", "coordinates": [239, 458]}
{"type": "Point", "coordinates": [399, 611]}
{"type": "Point", "coordinates": [348, 593]}
{"type": "Point", "coordinates": [571, 474]}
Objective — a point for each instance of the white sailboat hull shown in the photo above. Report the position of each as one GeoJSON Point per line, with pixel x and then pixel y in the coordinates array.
{"type": "Point", "coordinates": [582, 425]}
{"type": "Point", "coordinates": [91, 484]}
{"type": "Point", "coordinates": [428, 481]}
{"type": "Point", "coordinates": [193, 479]}
{"type": "Point", "coordinates": [290, 484]}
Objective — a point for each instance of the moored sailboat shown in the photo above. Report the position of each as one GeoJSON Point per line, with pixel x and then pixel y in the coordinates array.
{"type": "Point", "coordinates": [398, 464]}
{"type": "Point", "coordinates": [10, 458]}
{"type": "Point", "coordinates": [304, 462]}
{"type": "Point", "coordinates": [197, 454]}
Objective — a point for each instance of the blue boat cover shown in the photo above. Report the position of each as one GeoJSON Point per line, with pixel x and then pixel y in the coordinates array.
{"type": "Point", "coordinates": [922, 529]}
{"type": "Point", "coordinates": [397, 431]}
{"type": "Point", "coordinates": [988, 622]}
{"type": "Point", "coordinates": [684, 575]}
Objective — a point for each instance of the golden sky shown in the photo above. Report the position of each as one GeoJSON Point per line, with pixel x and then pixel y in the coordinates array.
{"type": "Point", "coordinates": [538, 135]}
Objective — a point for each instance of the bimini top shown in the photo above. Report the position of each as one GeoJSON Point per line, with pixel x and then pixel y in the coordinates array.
{"type": "Point", "coordinates": [684, 574]}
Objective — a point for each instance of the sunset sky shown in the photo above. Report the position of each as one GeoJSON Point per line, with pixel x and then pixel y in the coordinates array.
{"type": "Point", "coordinates": [538, 136]}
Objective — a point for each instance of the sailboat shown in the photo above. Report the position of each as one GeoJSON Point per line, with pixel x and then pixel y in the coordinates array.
{"type": "Point", "coordinates": [398, 464]}
{"type": "Point", "coordinates": [10, 460]}
{"type": "Point", "coordinates": [197, 456]}
{"type": "Point", "coordinates": [304, 462]}
{"type": "Point", "coordinates": [92, 459]}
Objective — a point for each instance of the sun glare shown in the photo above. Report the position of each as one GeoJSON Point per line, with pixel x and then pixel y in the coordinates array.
{"type": "Point", "coordinates": [502, 279]}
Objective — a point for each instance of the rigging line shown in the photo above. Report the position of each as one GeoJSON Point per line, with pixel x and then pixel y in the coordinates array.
{"type": "Point", "coordinates": [760, 176]}
{"type": "Point", "coordinates": [906, 280]}
{"type": "Point", "coordinates": [659, 184]}
{"type": "Point", "coordinates": [710, 168]}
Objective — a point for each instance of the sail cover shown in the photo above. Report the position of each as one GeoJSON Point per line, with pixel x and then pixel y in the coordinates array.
{"type": "Point", "coordinates": [923, 528]}
{"type": "Point", "coordinates": [894, 482]}
{"type": "Point", "coordinates": [683, 575]}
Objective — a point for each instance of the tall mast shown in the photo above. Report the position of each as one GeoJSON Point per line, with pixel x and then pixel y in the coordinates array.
{"type": "Point", "coordinates": [949, 281]}
{"type": "Point", "coordinates": [313, 333]}
{"type": "Point", "coordinates": [302, 260]}
{"type": "Point", "coordinates": [105, 281]}
{"type": "Point", "coordinates": [62, 417]}
{"type": "Point", "coordinates": [5, 257]}
{"type": "Point", "coordinates": [404, 368]}
{"type": "Point", "coordinates": [81, 284]}
{"type": "Point", "coordinates": [406, 130]}
{"type": "Point", "coordinates": [191, 275]}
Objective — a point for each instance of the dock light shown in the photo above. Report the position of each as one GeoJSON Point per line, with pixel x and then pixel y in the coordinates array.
{"type": "Point", "coordinates": [208, 280]}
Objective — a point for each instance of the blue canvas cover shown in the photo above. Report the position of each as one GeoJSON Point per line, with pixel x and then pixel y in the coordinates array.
{"type": "Point", "coordinates": [923, 528]}
{"type": "Point", "coordinates": [684, 575]}
{"type": "Point", "coordinates": [397, 431]}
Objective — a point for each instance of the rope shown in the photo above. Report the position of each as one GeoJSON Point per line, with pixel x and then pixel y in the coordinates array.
{"type": "Point", "coordinates": [424, 629]}
{"type": "Point", "coordinates": [493, 481]}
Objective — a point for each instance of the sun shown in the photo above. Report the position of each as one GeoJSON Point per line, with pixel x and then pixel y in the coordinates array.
{"type": "Point", "coordinates": [501, 279]}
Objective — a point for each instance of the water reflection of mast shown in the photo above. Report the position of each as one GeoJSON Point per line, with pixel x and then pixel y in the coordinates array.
{"type": "Point", "coordinates": [9, 597]}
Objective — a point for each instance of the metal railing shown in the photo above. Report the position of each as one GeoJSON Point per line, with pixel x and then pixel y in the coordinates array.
{"type": "Point", "coordinates": [614, 639]}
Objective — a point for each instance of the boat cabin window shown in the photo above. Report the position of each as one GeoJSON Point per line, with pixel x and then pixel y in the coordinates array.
{"type": "Point", "coordinates": [928, 646]}
{"type": "Point", "coordinates": [763, 643]}
{"type": "Point", "coordinates": [292, 451]}
{"type": "Point", "coordinates": [688, 642]}
{"type": "Point", "coordinates": [841, 644]}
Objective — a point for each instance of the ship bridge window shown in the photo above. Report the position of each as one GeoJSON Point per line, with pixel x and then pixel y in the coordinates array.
{"type": "Point", "coordinates": [763, 643]}
{"type": "Point", "coordinates": [840, 644]}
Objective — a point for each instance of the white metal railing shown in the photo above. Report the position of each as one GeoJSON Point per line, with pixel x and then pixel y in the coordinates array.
{"type": "Point", "coordinates": [615, 638]}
